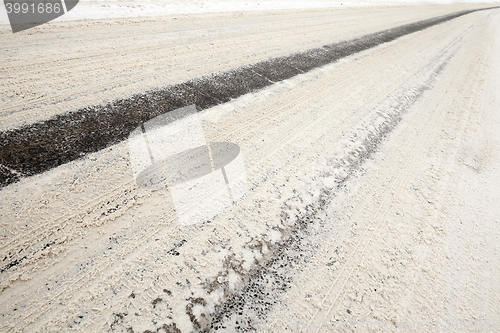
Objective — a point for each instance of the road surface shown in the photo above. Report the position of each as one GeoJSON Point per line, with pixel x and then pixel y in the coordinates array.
{"type": "Point", "coordinates": [362, 192]}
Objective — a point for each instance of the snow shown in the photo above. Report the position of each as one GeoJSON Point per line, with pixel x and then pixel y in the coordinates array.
{"type": "Point", "coordinates": [119, 9]}
{"type": "Point", "coordinates": [371, 184]}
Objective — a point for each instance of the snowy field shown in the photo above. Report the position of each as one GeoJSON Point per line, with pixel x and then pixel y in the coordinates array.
{"type": "Point", "coordinates": [251, 167]}
{"type": "Point", "coordinates": [112, 9]}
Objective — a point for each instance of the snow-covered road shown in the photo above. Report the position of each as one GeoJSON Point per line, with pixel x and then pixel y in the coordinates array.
{"type": "Point", "coordinates": [365, 191]}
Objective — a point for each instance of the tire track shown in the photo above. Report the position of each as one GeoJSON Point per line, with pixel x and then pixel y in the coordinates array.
{"type": "Point", "coordinates": [265, 270]}
{"type": "Point", "coordinates": [333, 294]}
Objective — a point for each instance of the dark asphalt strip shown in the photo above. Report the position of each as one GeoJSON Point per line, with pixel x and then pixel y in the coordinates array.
{"type": "Point", "coordinates": [39, 147]}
